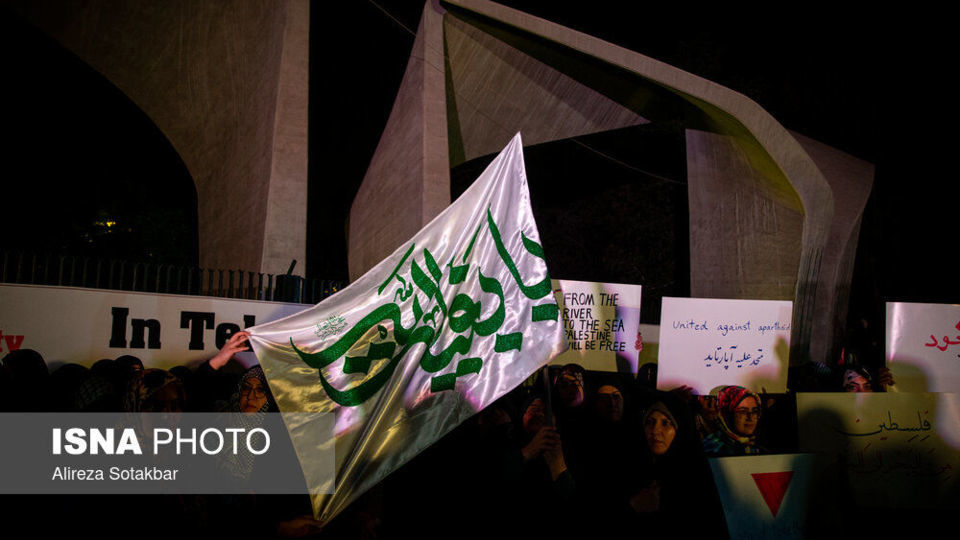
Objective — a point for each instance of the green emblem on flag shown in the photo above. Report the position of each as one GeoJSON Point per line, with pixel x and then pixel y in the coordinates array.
{"type": "Point", "coordinates": [331, 326]}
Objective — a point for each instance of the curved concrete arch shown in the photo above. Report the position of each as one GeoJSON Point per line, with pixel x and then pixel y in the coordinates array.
{"type": "Point", "coordinates": [426, 133]}
{"type": "Point", "coordinates": [771, 148]}
{"type": "Point", "coordinates": [227, 85]}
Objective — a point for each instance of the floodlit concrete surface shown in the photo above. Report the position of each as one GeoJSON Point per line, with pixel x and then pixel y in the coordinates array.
{"type": "Point", "coordinates": [479, 72]}
{"type": "Point", "coordinates": [226, 82]}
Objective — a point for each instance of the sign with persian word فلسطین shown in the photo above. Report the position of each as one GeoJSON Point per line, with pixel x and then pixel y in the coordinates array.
{"type": "Point", "coordinates": [891, 450]}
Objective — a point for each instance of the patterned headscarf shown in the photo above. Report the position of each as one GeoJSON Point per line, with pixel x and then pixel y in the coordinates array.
{"type": "Point", "coordinates": [145, 384]}
{"type": "Point", "coordinates": [95, 394]}
{"type": "Point", "coordinates": [727, 400]}
{"type": "Point", "coordinates": [257, 372]}
{"type": "Point", "coordinates": [240, 464]}
{"type": "Point", "coordinates": [731, 396]}
{"type": "Point", "coordinates": [858, 369]}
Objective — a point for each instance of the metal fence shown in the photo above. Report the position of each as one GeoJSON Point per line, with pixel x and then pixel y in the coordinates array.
{"type": "Point", "coordinates": [114, 274]}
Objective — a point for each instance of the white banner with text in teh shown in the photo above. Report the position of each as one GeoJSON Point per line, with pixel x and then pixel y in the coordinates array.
{"type": "Point", "coordinates": [66, 324]}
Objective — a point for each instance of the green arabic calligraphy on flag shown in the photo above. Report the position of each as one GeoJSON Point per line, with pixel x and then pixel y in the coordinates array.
{"type": "Point", "coordinates": [448, 323]}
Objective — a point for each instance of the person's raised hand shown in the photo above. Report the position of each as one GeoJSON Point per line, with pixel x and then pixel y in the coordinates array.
{"type": "Point", "coordinates": [236, 343]}
{"type": "Point", "coordinates": [884, 378]}
{"type": "Point", "coordinates": [299, 527]}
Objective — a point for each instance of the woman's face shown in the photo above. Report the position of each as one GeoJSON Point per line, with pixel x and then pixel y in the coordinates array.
{"type": "Point", "coordinates": [854, 382]}
{"type": "Point", "coordinates": [660, 432]}
{"type": "Point", "coordinates": [253, 395]}
{"type": "Point", "coordinates": [609, 403]}
{"type": "Point", "coordinates": [746, 416]}
{"type": "Point", "coordinates": [570, 389]}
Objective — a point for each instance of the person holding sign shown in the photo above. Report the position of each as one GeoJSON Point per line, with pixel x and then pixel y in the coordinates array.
{"type": "Point", "coordinates": [739, 418]}
{"type": "Point", "coordinates": [855, 378]}
{"type": "Point", "coordinates": [673, 478]}
{"type": "Point", "coordinates": [570, 414]}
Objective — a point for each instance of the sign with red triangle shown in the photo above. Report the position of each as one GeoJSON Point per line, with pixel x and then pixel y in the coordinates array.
{"type": "Point", "coordinates": [773, 486]}
{"type": "Point", "coordinates": [747, 483]}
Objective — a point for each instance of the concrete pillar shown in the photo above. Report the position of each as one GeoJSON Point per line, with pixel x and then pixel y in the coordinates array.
{"type": "Point", "coordinates": [227, 84]}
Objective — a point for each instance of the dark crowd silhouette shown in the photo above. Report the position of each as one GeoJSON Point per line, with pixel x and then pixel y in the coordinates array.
{"type": "Point", "coordinates": [568, 453]}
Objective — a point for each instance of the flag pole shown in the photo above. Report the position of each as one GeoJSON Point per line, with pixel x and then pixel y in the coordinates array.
{"type": "Point", "coordinates": [547, 399]}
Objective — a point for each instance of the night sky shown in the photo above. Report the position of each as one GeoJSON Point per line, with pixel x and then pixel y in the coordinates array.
{"type": "Point", "coordinates": [865, 84]}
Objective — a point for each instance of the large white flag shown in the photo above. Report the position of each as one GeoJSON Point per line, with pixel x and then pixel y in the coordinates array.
{"type": "Point", "coordinates": [452, 320]}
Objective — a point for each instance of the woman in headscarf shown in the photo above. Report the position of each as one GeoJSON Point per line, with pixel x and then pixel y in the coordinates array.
{"type": "Point", "coordinates": [544, 492]}
{"type": "Point", "coordinates": [674, 481]}
{"type": "Point", "coordinates": [607, 457]}
{"type": "Point", "coordinates": [96, 394]}
{"type": "Point", "coordinates": [276, 514]}
{"type": "Point", "coordinates": [253, 393]}
{"type": "Point", "coordinates": [739, 419]}
{"type": "Point", "coordinates": [64, 381]}
{"type": "Point", "coordinates": [253, 397]}
{"type": "Point", "coordinates": [159, 391]}
{"type": "Point", "coordinates": [29, 380]}
{"type": "Point", "coordinates": [154, 390]}
{"type": "Point", "coordinates": [856, 378]}
{"type": "Point", "coordinates": [129, 364]}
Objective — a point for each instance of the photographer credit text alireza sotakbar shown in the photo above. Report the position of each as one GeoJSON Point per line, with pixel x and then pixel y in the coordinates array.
{"type": "Point", "coordinates": [115, 473]}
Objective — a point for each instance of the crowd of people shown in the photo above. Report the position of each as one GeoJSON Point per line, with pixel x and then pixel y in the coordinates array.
{"type": "Point", "coordinates": [568, 452]}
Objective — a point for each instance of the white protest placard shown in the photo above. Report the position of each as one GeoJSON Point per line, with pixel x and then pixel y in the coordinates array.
{"type": "Point", "coordinates": [649, 335]}
{"type": "Point", "coordinates": [601, 321]}
{"type": "Point", "coordinates": [923, 346]}
{"type": "Point", "coordinates": [885, 449]}
{"type": "Point", "coordinates": [764, 496]}
{"type": "Point", "coordinates": [706, 343]}
{"type": "Point", "coordinates": [67, 324]}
